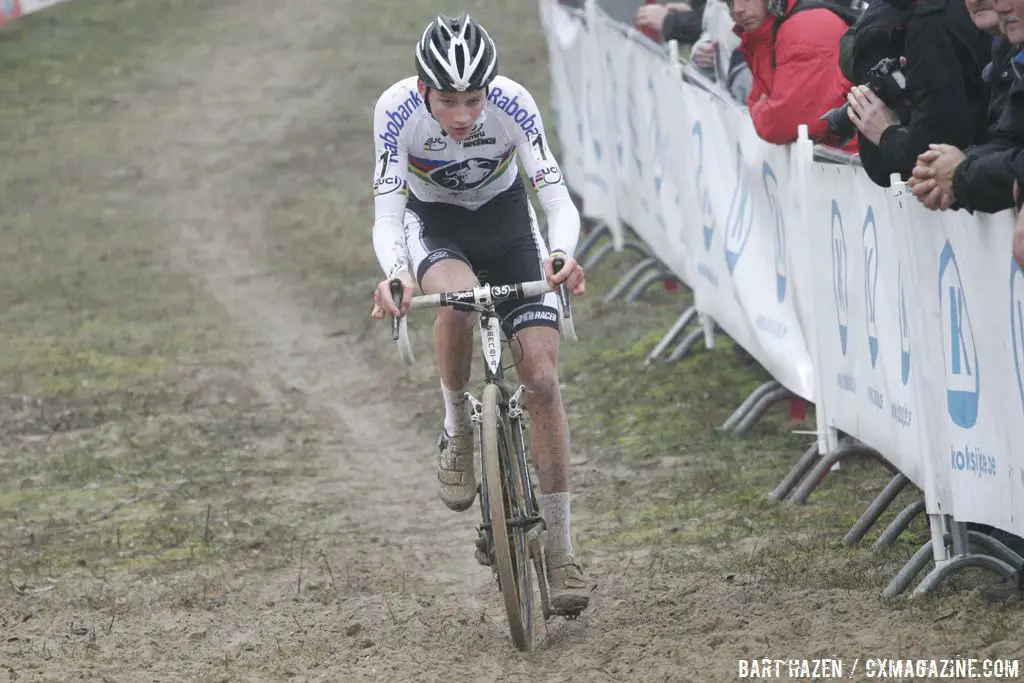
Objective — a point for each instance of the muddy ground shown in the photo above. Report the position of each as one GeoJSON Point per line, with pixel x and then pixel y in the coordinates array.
{"type": "Point", "coordinates": [198, 483]}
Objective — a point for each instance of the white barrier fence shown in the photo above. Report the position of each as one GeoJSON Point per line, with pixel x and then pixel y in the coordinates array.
{"type": "Point", "coordinates": [12, 9]}
{"type": "Point", "coordinates": [904, 327]}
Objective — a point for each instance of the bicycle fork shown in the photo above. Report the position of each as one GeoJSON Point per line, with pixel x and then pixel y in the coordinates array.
{"type": "Point", "coordinates": [514, 447]}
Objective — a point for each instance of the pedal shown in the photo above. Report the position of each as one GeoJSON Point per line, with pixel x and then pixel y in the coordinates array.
{"type": "Point", "coordinates": [480, 553]}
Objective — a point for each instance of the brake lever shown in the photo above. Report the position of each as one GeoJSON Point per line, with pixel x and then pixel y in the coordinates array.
{"type": "Point", "coordinates": [396, 295]}
{"type": "Point", "coordinates": [557, 263]}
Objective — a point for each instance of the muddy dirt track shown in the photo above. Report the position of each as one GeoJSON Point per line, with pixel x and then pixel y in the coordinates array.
{"type": "Point", "coordinates": [228, 168]}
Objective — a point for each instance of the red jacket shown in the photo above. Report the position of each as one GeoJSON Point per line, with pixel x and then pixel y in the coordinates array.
{"type": "Point", "coordinates": [806, 80]}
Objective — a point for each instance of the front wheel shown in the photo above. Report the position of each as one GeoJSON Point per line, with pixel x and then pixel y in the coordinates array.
{"type": "Point", "coordinates": [511, 552]}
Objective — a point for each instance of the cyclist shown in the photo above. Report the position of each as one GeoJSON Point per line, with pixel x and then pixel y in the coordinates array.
{"type": "Point", "coordinates": [450, 208]}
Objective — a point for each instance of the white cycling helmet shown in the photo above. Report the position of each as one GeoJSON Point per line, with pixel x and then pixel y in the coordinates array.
{"type": "Point", "coordinates": [456, 55]}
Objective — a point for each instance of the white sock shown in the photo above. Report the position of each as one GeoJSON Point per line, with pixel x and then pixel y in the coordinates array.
{"type": "Point", "coordinates": [456, 411]}
{"type": "Point", "coordinates": [554, 507]}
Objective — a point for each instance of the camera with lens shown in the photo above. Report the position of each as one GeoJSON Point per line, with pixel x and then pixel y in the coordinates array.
{"type": "Point", "coordinates": [885, 79]}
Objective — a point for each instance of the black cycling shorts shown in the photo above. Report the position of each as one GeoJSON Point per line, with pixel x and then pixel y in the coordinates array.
{"type": "Point", "coordinates": [500, 242]}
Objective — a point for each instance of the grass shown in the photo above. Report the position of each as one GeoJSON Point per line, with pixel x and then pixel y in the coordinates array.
{"type": "Point", "coordinates": [84, 296]}
{"type": "Point", "coordinates": [713, 495]}
{"type": "Point", "coordinates": [129, 444]}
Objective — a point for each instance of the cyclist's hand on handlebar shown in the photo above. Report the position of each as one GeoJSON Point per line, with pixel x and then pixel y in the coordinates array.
{"type": "Point", "coordinates": [571, 274]}
{"type": "Point", "coordinates": [383, 304]}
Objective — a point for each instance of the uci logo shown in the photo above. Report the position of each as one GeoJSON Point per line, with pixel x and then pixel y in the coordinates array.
{"type": "Point", "coordinates": [741, 218]}
{"type": "Point", "coordinates": [771, 187]}
{"type": "Point", "coordinates": [904, 331]}
{"type": "Point", "coordinates": [963, 379]}
{"type": "Point", "coordinates": [871, 280]}
{"type": "Point", "coordinates": [1017, 323]}
{"type": "Point", "coordinates": [547, 176]}
{"type": "Point", "coordinates": [434, 145]}
{"type": "Point", "coordinates": [707, 219]}
{"type": "Point", "coordinates": [840, 273]}
{"type": "Point", "coordinates": [387, 185]}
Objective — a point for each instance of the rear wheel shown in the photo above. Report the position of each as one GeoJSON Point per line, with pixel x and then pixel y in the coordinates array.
{"type": "Point", "coordinates": [512, 555]}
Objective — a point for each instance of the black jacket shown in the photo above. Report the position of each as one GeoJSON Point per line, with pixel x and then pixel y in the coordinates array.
{"type": "Point", "coordinates": [984, 179]}
{"type": "Point", "coordinates": [946, 99]}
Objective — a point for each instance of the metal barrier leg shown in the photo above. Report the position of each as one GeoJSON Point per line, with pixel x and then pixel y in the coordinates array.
{"type": "Point", "coordinates": [631, 276]}
{"type": "Point", "coordinates": [1002, 561]}
{"type": "Point", "coordinates": [898, 525]}
{"type": "Point", "coordinates": [649, 278]}
{"type": "Point", "coordinates": [802, 467]}
{"type": "Point", "coordinates": [688, 341]}
{"type": "Point", "coordinates": [760, 408]}
{"type": "Point", "coordinates": [637, 246]}
{"type": "Point", "coordinates": [821, 468]}
{"type": "Point", "coordinates": [939, 574]}
{"type": "Point", "coordinates": [593, 237]}
{"type": "Point", "coordinates": [995, 548]}
{"type": "Point", "coordinates": [676, 330]}
{"type": "Point", "coordinates": [756, 395]}
{"type": "Point", "coordinates": [601, 253]}
{"type": "Point", "coordinates": [908, 571]}
{"type": "Point", "coordinates": [875, 510]}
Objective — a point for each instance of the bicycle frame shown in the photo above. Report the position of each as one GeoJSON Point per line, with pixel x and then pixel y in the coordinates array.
{"type": "Point", "coordinates": [511, 420]}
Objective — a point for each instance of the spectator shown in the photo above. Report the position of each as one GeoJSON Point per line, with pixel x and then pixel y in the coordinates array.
{"type": "Point", "coordinates": [985, 16]}
{"type": "Point", "coordinates": [717, 55]}
{"type": "Point", "coordinates": [1004, 27]}
{"type": "Point", "coordinates": [677, 21]}
{"type": "Point", "coordinates": [980, 178]}
{"type": "Point", "coordinates": [944, 100]}
{"type": "Point", "coordinates": [794, 67]}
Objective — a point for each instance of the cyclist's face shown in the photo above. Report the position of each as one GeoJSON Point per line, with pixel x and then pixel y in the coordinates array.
{"type": "Point", "coordinates": [457, 111]}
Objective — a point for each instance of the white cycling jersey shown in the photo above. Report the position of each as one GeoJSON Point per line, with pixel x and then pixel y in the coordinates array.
{"type": "Point", "coordinates": [413, 153]}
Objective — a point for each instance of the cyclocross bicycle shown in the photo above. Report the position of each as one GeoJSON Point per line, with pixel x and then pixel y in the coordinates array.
{"type": "Point", "coordinates": [508, 535]}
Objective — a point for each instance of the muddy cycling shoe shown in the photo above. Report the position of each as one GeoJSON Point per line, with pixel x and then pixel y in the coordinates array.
{"type": "Point", "coordinates": [455, 470]}
{"type": "Point", "coordinates": [568, 592]}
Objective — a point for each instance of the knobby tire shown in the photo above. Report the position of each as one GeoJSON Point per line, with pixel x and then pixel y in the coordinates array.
{"type": "Point", "coordinates": [502, 505]}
